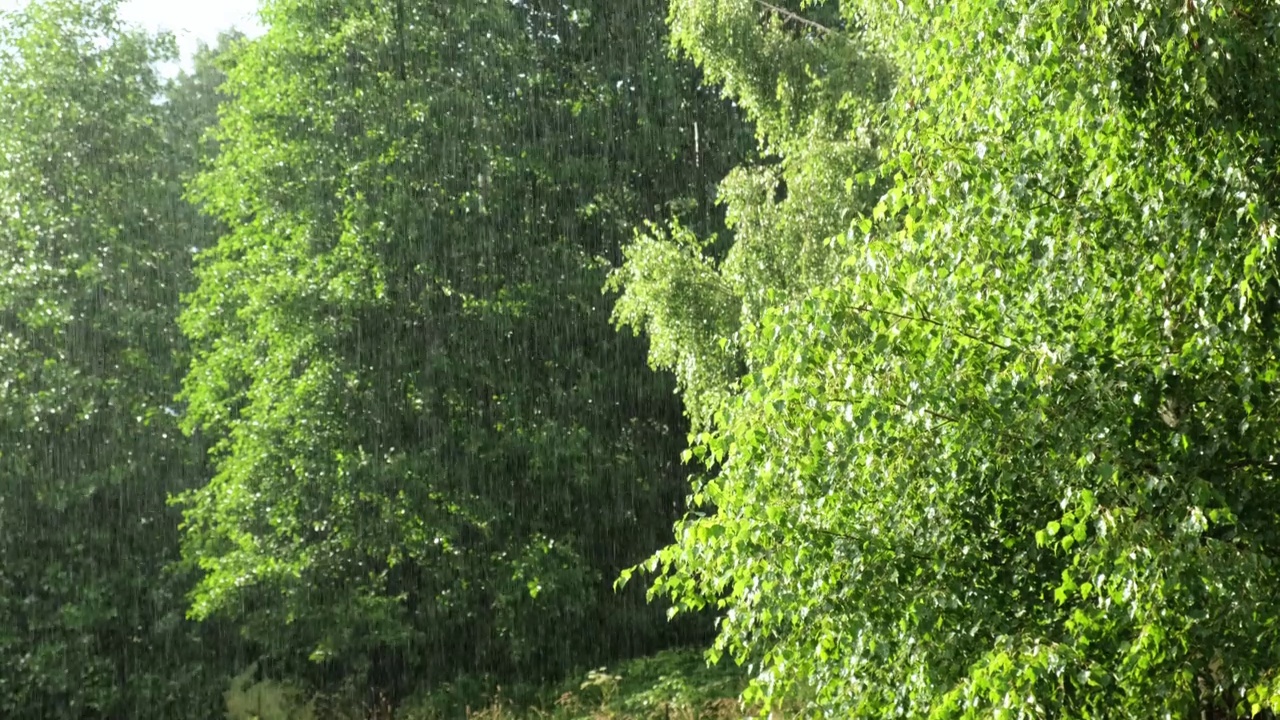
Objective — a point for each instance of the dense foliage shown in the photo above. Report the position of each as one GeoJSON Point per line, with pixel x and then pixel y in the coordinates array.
{"type": "Point", "coordinates": [1000, 440]}
{"type": "Point", "coordinates": [308, 385]}
{"type": "Point", "coordinates": [94, 241]}
{"type": "Point", "coordinates": [433, 452]}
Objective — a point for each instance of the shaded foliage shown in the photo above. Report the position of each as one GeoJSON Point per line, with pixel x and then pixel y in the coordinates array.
{"type": "Point", "coordinates": [433, 454]}
{"type": "Point", "coordinates": [93, 257]}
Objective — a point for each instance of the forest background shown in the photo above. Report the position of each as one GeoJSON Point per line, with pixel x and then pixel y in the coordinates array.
{"type": "Point", "coordinates": [368, 365]}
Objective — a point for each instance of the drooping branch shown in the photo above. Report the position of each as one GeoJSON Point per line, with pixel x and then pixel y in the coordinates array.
{"type": "Point", "coordinates": [1011, 347]}
{"type": "Point", "coordinates": [786, 14]}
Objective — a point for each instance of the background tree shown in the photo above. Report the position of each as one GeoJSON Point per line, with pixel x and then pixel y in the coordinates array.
{"type": "Point", "coordinates": [433, 454]}
{"type": "Point", "coordinates": [94, 241]}
{"type": "Point", "coordinates": [802, 83]}
{"type": "Point", "coordinates": [1010, 453]}
{"type": "Point", "coordinates": [192, 98]}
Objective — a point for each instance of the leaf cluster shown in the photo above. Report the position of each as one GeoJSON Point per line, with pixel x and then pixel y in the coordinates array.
{"type": "Point", "coordinates": [1012, 454]}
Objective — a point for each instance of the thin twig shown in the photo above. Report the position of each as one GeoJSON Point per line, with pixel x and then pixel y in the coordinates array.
{"type": "Point", "coordinates": [939, 416]}
{"type": "Point", "coordinates": [788, 15]}
{"type": "Point", "coordinates": [938, 323]}
{"type": "Point", "coordinates": [883, 546]}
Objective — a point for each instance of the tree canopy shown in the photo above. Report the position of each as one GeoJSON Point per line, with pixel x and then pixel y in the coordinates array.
{"type": "Point", "coordinates": [999, 440]}
{"type": "Point", "coordinates": [94, 253]}
{"type": "Point", "coordinates": [433, 453]}
{"type": "Point", "coordinates": [308, 384]}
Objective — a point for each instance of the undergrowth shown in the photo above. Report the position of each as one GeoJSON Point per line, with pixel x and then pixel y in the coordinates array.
{"type": "Point", "coordinates": [671, 685]}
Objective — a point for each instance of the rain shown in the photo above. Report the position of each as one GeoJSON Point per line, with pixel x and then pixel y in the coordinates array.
{"type": "Point", "coordinates": [639, 359]}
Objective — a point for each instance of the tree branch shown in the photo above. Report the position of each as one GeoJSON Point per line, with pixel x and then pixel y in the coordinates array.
{"type": "Point", "coordinates": [925, 319]}
{"type": "Point", "coordinates": [786, 14]}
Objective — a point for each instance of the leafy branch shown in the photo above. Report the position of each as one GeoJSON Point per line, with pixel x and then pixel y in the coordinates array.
{"type": "Point", "coordinates": [787, 15]}
{"type": "Point", "coordinates": [938, 323]}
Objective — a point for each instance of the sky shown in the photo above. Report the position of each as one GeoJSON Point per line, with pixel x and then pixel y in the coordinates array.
{"type": "Point", "coordinates": [193, 20]}
{"type": "Point", "coordinates": [190, 20]}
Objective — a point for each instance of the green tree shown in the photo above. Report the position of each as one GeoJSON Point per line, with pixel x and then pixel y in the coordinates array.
{"type": "Point", "coordinates": [93, 256]}
{"type": "Point", "coordinates": [192, 99]}
{"type": "Point", "coordinates": [433, 454]}
{"type": "Point", "coordinates": [1010, 450]}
